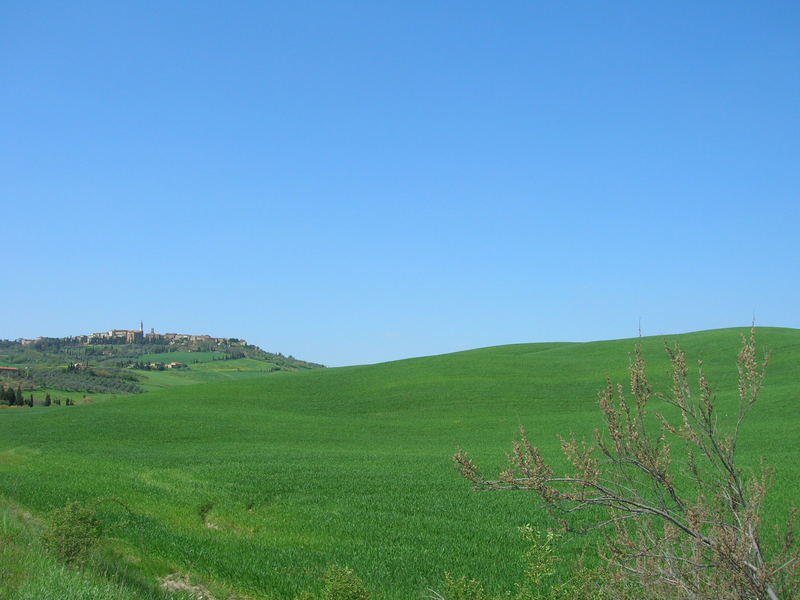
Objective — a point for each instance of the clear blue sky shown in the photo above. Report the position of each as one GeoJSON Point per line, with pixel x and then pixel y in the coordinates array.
{"type": "Point", "coordinates": [353, 182]}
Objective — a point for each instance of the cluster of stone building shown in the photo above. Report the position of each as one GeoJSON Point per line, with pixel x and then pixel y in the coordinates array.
{"type": "Point", "coordinates": [133, 336]}
{"type": "Point", "coordinates": [169, 365]}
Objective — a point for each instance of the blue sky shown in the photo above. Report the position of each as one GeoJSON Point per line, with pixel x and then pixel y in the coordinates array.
{"type": "Point", "coordinates": [352, 182]}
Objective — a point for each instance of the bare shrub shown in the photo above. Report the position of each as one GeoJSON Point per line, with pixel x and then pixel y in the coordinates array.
{"type": "Point", "coordinates": [682, 518]}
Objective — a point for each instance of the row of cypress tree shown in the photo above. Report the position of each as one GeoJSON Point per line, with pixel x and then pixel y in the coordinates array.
{"type": "Point", "coordinates": [11, 397]}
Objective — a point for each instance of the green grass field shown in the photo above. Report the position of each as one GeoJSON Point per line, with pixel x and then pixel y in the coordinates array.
{"type": "Point", "coordinates": [353, 465]}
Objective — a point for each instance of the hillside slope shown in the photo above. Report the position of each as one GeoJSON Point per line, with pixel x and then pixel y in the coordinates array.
{"type": "Point", "coordinates": [352, 465]}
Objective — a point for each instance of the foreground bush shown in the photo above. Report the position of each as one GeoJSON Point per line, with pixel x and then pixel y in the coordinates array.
{"type": "Point", "coordinates": [540, 581]}
{"type": "Point", "coordinates": [341, 583]}
{"type": "Point", "coordinates": [73, 531]}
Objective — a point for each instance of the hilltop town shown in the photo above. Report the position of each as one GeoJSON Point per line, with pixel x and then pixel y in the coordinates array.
{"type": "Point", "coordinates": [125, 348]}
{"type": "Point", "coordinates": [137, 336]}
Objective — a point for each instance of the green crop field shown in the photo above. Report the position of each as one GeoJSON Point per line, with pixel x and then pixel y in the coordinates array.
{"type": "Point", "coordinates": [206, 372]}
{"type": "Point", "coordinates": [184, 357]}
{"type": "Point", "coordinates": [254, 486]}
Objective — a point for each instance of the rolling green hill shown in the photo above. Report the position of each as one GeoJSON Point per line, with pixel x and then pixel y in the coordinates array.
{"type": "Point", "coordinates": [90, 371]}
{"type": "Point", "coordinates": [352, 465]}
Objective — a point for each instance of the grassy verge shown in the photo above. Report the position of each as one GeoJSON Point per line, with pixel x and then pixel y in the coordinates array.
{"type": "Point", "coordinates": [29, 572]}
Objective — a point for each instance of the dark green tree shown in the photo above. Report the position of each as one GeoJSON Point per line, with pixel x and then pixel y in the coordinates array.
{"type": "Point", "coordinates": [47, 400]}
